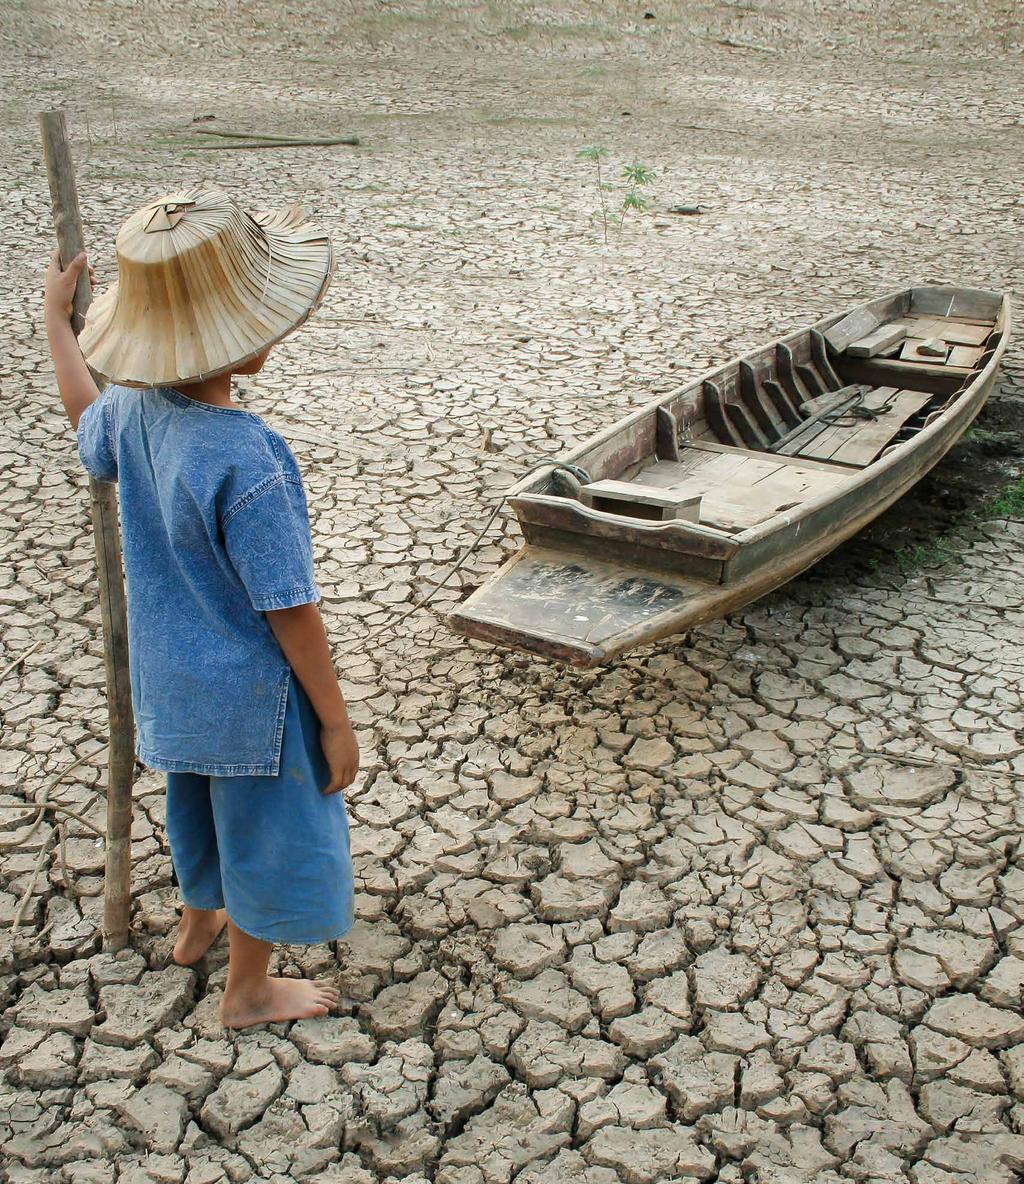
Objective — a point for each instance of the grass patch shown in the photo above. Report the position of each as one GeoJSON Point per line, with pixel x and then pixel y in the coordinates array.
{"type": "Point", "coordinates": [976, 435]}
{"type": "Point", "coordinates": [933, 554]}
{"type": "Point", "coordinates": [1008, 503]}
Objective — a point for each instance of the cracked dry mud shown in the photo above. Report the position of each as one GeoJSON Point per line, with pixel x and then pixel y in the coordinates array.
{"type": "Point", "coordinates": [748, 906]}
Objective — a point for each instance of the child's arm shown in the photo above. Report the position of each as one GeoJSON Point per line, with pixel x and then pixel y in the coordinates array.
{"type": "Point", "coordinates": [77, 389]}
{"type": "Point", "coordinates": [300, 633]}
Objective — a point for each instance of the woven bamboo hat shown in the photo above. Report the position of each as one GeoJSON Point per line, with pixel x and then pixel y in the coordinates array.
{"type": "Point", "coordinates": [202, 287]}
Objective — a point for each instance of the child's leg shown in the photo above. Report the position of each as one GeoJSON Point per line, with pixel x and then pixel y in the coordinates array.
{"type": "Point", "coordinates": [193, 840]}
{"type": "Point", "coordinates": [286, 871]}
{"type": "Point", "coordinates": [197, 931]}
{"type": "Point", "coordinates": [251, 997]}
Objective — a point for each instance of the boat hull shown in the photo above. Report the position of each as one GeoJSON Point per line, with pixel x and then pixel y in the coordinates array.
{"type": "Point", "coordinates": [563, 596]}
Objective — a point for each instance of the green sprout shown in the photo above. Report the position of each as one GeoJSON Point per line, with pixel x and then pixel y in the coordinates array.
{"type": "Point", "coordinates": [595, 153]}
{"type": "Point", "coordinates": [635, 178]}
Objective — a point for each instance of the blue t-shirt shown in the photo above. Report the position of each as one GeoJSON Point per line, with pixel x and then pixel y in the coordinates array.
{"type": "Point", "coordinates": [215, 533]}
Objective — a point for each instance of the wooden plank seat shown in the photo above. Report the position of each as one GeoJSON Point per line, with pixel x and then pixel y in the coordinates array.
{"type": "Point", "coordinates": [735, 489]}
{"type": "Point", "coordinates": [642, 501]}
{"type": "Point", "coordinates": [933, 341]}
{"type": "Point", "coordinates": [854, 440]}
{"type": "Point", "coordinates": [881, 340]}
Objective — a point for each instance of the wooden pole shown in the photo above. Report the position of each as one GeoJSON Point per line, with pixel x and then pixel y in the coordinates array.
{"type": "Point", "coordinates": [103, 504]}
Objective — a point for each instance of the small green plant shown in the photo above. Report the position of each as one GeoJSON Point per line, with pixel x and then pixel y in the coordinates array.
{"type": "Point", "coordinates": [976, 435]}
{"type": "Point", "coordinates": [931, 554]}
{"type": "Point", "coordinates": [596, 154]}
{"type": "Point", "coordinates": [635, 177]}
{"type": "Point", "coordinates": [1009, 503]}
{"type": "Point", "coordinates": [1006, 502]}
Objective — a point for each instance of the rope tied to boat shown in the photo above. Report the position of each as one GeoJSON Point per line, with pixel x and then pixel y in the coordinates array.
{"type": "Point", "coordinates": [575, 471]}
{"type": "Point", "coordinates": [856, 409]}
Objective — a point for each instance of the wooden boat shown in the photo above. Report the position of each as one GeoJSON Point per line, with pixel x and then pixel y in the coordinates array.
{"type": "Point", "coordinates": [708, 498]}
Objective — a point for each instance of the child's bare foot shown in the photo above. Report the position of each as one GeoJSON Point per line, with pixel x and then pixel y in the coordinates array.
{"type": "Point", "coordinates": [275, 999]}
{"type": "Point", "coordinates": [251, 997]}
{"type": "Point", "coordinates": [197, 931]}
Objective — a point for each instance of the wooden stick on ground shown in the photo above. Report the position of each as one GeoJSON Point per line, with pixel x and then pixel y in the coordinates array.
{"type": "Point", "coordinates": [352, 141]}
{"type": "Point", "coordinates": [103, 504]}
{"type": "Point", "coordinates": [20, 658]}
{"type": "Point", "coordinates": [205, 131]}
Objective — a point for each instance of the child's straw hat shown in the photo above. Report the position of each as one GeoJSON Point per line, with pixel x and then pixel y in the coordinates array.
{"type": "Point", "coordinates": [202, 287]}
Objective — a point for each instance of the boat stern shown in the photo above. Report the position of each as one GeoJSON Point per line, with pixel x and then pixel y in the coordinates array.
{"type": "Point", "coordinates": [577, 609]}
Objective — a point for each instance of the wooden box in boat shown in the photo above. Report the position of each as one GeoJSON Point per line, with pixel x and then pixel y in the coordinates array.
{"type": "Point", "coordinates": [792, 449]}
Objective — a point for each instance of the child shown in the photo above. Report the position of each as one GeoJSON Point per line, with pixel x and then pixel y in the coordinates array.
{"type": "Point", "coordinates": [234, 691]}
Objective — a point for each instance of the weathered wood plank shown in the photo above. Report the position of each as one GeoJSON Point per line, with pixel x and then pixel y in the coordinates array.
{"type": "Point", "coordinates": [957, 334]}
{"type": "Point", "coordinates": [744, 426]}
{"type": "Point", "coordinates": [883, 338]}
{"type": "Point", "coordinates": [974, 303]}
{"type": "Point", "coordinates": [777, 457]}
{"type": "Point", "coordinates": [854, 325]}
{"type": "Point", "coordinates": [787, 413]}
{"type": "Point", "coordinates": [718, 421]}
{"type": "Point", "coordinates": [626, 496]}
{"type": "Point", "coordinates": [826, 403]}
{"type": "Point", "coordinates": [815, 423]}
{"type": "Point", "coordinates": [792, 384]}
{"type": "Point", "coordinates": [568, 608]}
{"type": "Point", "coordinates": [769, 422]}
{"type": "Point", "coordinates": [824, 444]}
{"type": "Point", "coordinates": [812, 381]}
{"type": "Point", "coordinates": [924, 327]}
{"type": "Point", "coordinates": [534, 509]}
{"type": "Point", "coordinates": [858, 442]}
{"type": "Point", "coordinates": [636, 547]}
{"type": "Point", "coordinates": [739, 488]}
{"type": "Point", "coordinates": [666, 439]}
{"type": "Point", "coordinates": [719, 507]}
{"type": "Point", "coordinates": [964, 355]}
{"type": "Point", "coordinates": [863, 447]}
{"type": "Point", "coordinates": [822, 362]}
{"type": "Point", "coordinates": [938, 380]}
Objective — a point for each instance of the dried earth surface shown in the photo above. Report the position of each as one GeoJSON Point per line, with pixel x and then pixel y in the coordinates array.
{"type": "Point", "coordinates": [748, 906]}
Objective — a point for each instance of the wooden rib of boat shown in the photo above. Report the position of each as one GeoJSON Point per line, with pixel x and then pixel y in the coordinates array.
{"type": "Point", "coordinates": [708, 498]}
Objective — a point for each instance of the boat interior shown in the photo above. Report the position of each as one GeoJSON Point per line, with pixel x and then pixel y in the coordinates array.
{"type": "Point", "coordinates": [798, 419]}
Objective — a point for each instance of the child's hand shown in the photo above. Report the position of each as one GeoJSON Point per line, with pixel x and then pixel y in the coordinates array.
{"type": "Point", "coordinates": [59, 290]}
{"type": "Point", "coordinates": [342, 753]}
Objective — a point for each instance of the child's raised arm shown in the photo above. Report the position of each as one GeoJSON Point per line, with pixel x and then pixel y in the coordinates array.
{"type": "Point", "coordinates": [300, 633]}
{"type": "Point", "coordinates": [77, 389]}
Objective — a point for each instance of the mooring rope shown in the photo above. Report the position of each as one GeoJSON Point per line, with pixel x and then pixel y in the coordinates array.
{"type": "Point", "coordinates": [576, 471]}
{"type": "Point", "coordinates": [856, 409]}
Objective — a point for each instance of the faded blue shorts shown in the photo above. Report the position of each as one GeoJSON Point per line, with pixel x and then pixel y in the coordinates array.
{"type": "Point", "coordinates": [273, 851]}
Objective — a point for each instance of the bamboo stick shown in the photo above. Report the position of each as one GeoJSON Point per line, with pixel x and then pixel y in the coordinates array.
{"type": "Point", "coordinates": [103, 504]}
